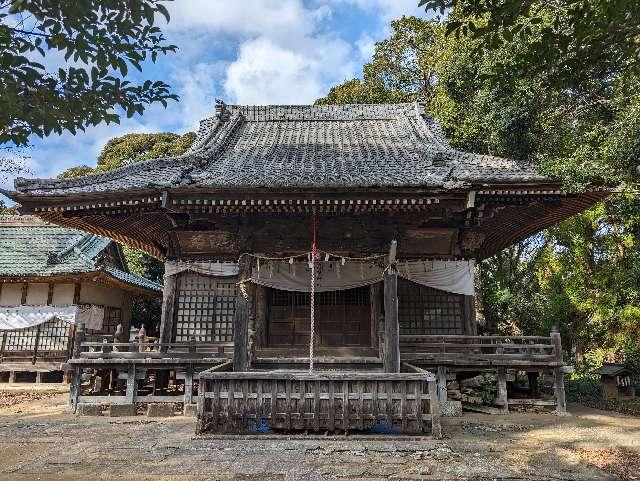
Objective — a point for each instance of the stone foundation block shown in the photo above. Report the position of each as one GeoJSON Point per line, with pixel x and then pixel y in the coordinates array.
{"type": "Point", "coordinates": [160, 410]}
{"type": "Point", "coordinates": [89, 410]}
{"type": "Point", "coordinates": [117, 410]}
{"type": "Point", "coordinates": [451, 408]}
{"type": "Point", "coordinates": [191, 410]}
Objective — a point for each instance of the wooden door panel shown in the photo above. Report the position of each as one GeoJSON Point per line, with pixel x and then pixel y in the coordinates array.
{"type": "Point", "coordinates": [343, 318]}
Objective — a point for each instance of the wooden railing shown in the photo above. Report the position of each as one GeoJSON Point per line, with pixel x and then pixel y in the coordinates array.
{"type": "Point", "coordinates": [482, 350]}
{"type": "Point", "coordinates": [150, 350]}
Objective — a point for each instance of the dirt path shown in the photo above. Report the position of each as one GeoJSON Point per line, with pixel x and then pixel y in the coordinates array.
{"type": "Point", "coordinates": [40, 441]}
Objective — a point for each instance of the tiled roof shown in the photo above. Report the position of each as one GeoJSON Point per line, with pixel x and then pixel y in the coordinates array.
{"type": "Point", "coordinates": [612, 369]}
{"type": "Point", "coordinates": [303, 146]}
{"type": "Point", "coordinates": [132, 279]}
{"type": "Point", "coordinates": [32, 247]}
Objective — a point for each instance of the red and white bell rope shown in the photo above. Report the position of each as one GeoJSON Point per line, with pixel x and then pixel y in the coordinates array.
{"type": "Point", "coordinates": [312, 290]}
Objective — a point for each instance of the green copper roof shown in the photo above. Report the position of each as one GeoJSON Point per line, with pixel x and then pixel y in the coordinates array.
{"type": "Point", "coordinates": [134, 279]}
{"type": "Point", "coordinates": [32, 247]}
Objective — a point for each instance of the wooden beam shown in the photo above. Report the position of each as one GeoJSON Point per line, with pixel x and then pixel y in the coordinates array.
{"type": "Point", "coordinates": [391, 359]}
{"type": "Point", "coordinates": [168, 309]}
{"type": "Point", "coordinates": [241, 319]}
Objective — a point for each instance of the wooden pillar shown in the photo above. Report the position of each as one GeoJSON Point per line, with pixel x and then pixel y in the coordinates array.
{"type": "Point", "coordinates": [50, 293]}
{"type": "Point", "coordinates": [125, 319]}
{"type": "Point", "coordinates": [469, 310]}
{"type": "Point", "coordinates": [391, 327]}
{"type": "Point", "coordinates": [74, 389]}
{"type": "Point", "coordinates": [77, 287]}
{"type": "Point", "coordinates": [168, 309]}
{"type": "Point", "coordinates": [24, 293]}
{"type": "Point", "coordinates": [558, 373]}
{"type": "Point", "coordinates": [241, 319]}
{"type": "Point", "coordinates": [132, 385]}
{"type": "Point", "coordinates": [435, 410]}
{"type": "Point", "coordinates": [442, 383]}
{"type": "Point", "coordinates": [534, 392]}
{"type": "Point", "coordinates": [78, 340]}
{"type": "Point", "coordinates": [501, 395]}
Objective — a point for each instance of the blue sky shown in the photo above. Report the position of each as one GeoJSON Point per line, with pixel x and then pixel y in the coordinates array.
{"type": "Point", "coordinates": [242, 51]}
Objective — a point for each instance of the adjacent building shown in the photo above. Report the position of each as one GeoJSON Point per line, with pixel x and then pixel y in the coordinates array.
{"type": "Point", "coordinates": [53, 278]}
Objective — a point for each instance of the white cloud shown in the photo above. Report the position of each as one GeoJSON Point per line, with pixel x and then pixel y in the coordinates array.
{"type": "Point", "coordinates": [386, 9]}
{"type": "Point", "coordinates": [366, 46]}
{"type": "Point", "coordinates": [252, 51]}
{"type": "Point", "coordinates": [268, 73]}
{"type": "Point", "coordinates": [273, 18]}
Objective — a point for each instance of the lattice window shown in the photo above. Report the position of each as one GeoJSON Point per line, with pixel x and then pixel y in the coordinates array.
{"type": "Point", "coordinates": [205, 308]}
{"type": "Point", "coordinates": [53, 336]}
{"type": "Point", "coordinates": [426, 311]}
{"type": "Point", "coordinates": [348, 297]}
{"type": "Point", "coordinates": [112, 317]}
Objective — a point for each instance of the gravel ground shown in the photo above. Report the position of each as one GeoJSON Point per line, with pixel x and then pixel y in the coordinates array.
{"type": "Point", "coordinates": [40, 441]}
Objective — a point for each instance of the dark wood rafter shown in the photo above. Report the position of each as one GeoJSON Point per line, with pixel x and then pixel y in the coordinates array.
{"type": "Point", "coordinates": [494, 218]}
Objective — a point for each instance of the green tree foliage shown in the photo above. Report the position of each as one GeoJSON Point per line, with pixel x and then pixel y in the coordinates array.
{"type": "Point", "coordinates": [567, 43]}
{"type": "Point", "coordinates": [145, 311]}
{"type": "Point", "coordinates": [125, 150]}
{"type": "Point", "coordinates": [76, 172]}
{"type": "Point", "coordinates": [132, 148]}
{"type": "Point", "coordinates": [99, 41]}
{"type": "Point", "coordinates": [400, 70]}
{"type": "Point", "coordinates": [5, 210]}
{"type": "Point", "coordinates": [583, 274]}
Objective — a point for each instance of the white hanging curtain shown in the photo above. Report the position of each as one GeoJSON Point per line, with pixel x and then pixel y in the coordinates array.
{"type": "Point", "coordinates": [91, 316]}
{"type": "Point", "coordinates": [218, 269]}
{"type": "Point", "coordinates": [23, 317]}
{"type": "Point", "coordinates": [449, 276]}
{"type": "Point", "coordinates": [330, 275]}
